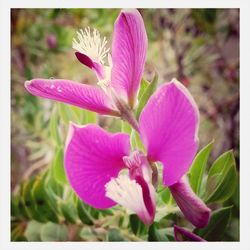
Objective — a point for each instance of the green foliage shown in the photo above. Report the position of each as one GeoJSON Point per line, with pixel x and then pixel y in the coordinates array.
{"type": "Point", "coordinates": [198, 168]}
{"type": "Point", "coordinates": [135, 141]}
{"type": "Point", "coordinates": [147, 89]}
{"type": "Point", "coordinates": [54, 232]}
{"type": "Point", "coordinates": [137, 226]}
{"type": "Point", "coordinates": [217, 225]}
{"type": "Point", "coordinates": [54, 132]}
{"type": "Point", "coordinates": [125, 127]}
{"type": "Point", "coordinates": [154, 234]}
{"type": "Point", "coordinates": [33, 231]}
{"type": "Point", "coordinates": [115, 235]}
{"type": "Point", "coordinates": [222, 178]}
{"type": "Point", "coordinates": [58, 167]}
{"type": "Point", "coordinates": [84, 213]}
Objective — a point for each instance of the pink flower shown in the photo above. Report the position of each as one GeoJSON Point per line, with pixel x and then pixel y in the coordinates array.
{"type": "Point", "coordinates": [103, 171]}
{"type": "Point", "coordinates": [118, 78]}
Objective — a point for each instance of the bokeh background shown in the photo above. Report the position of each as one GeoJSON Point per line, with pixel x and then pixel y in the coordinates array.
{"type": "Point", "coordinates": [199, 47]}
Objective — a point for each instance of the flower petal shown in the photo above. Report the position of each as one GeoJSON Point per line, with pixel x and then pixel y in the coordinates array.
{"type": "Point", "coordinates": [81, 95]}
{"type": "Point", "coordinates": [168, 127]}
{"type": "Point", "coordinates": [181, 234]}
{"type": "Point", "coordinates": [92, 157]}
{"type": "Point", "coordinates": [194, 209]}
{"type": "Point", "coordinates": [137, 195]}
{"type": "Point", "coordinates": [128, 54]}
{"type": "Point", "coordinates": [87, 61]}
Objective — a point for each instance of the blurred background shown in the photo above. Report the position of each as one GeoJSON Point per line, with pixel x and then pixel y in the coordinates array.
{"type": "Point", "coordinates": [199, 47]}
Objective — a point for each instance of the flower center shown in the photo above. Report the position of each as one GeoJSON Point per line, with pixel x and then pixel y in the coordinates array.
{"type": "Point", "coordinates": [138, 165]}
{"type": "Point", "coordinates": [125, 192]}
{"type": "Point", "coordinates": [91, 44]}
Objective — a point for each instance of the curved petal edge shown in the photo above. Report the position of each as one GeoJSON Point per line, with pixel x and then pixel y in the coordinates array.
{"type": "Point", "coordinates": [173, 113]}
{"type": "Point", "coordinates": [129, 49]}
{"type": "Point", "coordinates": [92, 157]}
{"type": "Point", "coordinates": [81, 95]}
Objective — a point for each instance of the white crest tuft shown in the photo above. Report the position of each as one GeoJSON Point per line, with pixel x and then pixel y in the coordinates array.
{"type": "Point", "coordinates": [91, 44]}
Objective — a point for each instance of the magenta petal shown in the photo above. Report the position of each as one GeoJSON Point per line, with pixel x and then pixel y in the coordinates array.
{"type": "Point", "coordinates": [168, 126]}
{"type": "Point", "coordinates": [194, 209]}
{"type": "Point", "coordinates": [87, 61]}
{"type": "Point", "coordinates": [134, 194]}
{"type": "Point", "coordinates": [181, 234]}
{"type": "Point", "coordinates": [92, 157]}
{"type": "Point", "coordinates": [148, 198]}
{"type": "Point", "coordinates": [128, 54]}
{"type": "Point", "coordinates": [81, 95]}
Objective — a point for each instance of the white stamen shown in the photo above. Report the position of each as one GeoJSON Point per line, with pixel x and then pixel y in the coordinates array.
{"type": "Point", "coordinates": [91, 44]}
{"type": "Point", "coordinates": [126, 192]}
{"type": "Point", "coordinates": [104, 83]}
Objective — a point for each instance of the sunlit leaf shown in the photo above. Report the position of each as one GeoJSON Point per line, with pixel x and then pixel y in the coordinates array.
{"type": "Point", "coordinates": [198, 167]}
{"type": "Point", "coordinates": [125, 127]}
{"type": "Point", "coordinates": [53, 124]}
{"type": "Point", "coordinates": [165, 194]}
{"type": "Point", "coordinates": [58, 167]}
{"type": "Point", "coordinates": [146, 95]}
{"type": "Point", "coordinates": [136, 142]}
{"type": "Point", "coordinates": [222, 178]}
{"type": "Point", "coordinates": [143, 86]}
{"type": "Point", "coordinates": [89, 117]}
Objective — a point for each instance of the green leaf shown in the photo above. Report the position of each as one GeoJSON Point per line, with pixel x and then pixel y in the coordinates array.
{"type": "Point", "coordinates": [146, 95]}
{"type": "Point", "coordinates": [53, 125]}
{"type": "Point", "coordinates": [21, 205]}
{"type": "Point", "coordinates": [54, 232]}
{"type": "Point", "coordinates": [143, 86]}
{"type": "Point", "coordinates": [43, 203]}
{"type": "Point", "coordinates": [33, 231]}
{"type": "Point", "coordinates": [89, 117]}
{"type": "Point", "coordinates": [69, 212]}
{"type": "Point", "coordinates": [84, 213]}
{"type": "Point", "coordinates": [154, 234]}
{"type": "Point", "coordinates": [217, 225]}
{"type": "Point", "coordinates": [15, 212]}
{"type": "Point", "coordinates": [222, 178]}
{"type": "Point", "coordinates": [198, 167]}
{"type": "Point", "coordinates": [29, 203]}
{"type": "Point", "coordinates": [69, 113]}
{"type": "Point", "coordinates": [165, 195]}
{"type": "Point", "coordinates": [58, 167]}
{"type": "Point", "coordinates": [53, 187]}
{"type": "Point", "coordinates": [125, 127]}
{"type": "Point", "coordinates": [115, 235]}
{"type": "Point", "coordinates": [87, 234]}
{"type": "Point", "coordinates": [137, 226]}
{"type": "Point", "coordinates": [77, 115]}
{"type": "Point", "coordinates": [136, 142]}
